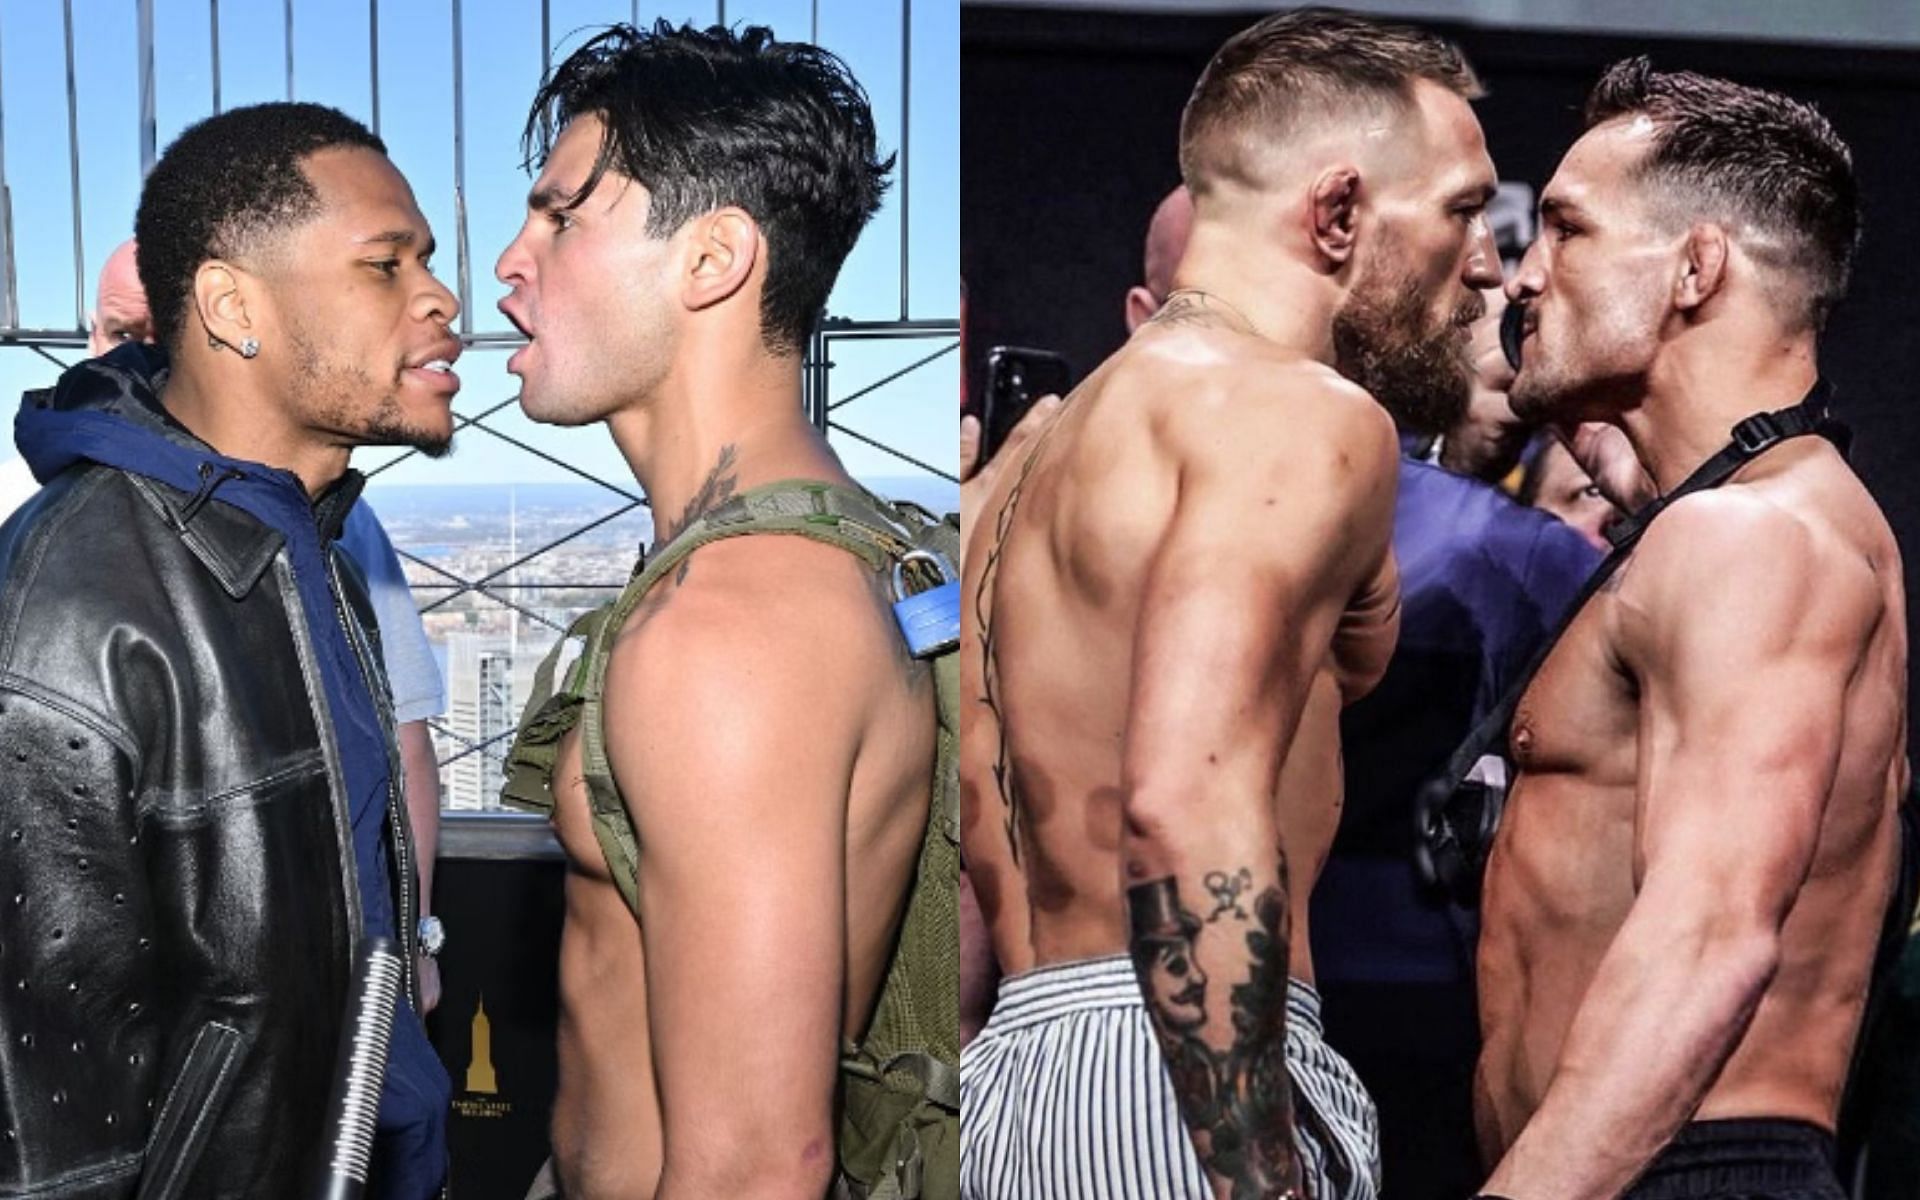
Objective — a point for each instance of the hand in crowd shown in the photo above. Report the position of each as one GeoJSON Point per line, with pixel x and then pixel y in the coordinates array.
{"type": "Point", "coordinates": [1607, 457]}
{"type": "Point", "coordinates": [976, 477]}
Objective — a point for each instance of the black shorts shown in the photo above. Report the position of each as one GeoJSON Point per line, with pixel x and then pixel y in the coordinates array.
{"type": "Point", "coordinates": [1762, 1159]}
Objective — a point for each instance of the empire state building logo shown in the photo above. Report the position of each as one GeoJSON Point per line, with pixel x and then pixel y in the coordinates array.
{"type": "Point", "coordinates": [482, 1098]}
{"type": "Point", "coordinates": [480, 1077]}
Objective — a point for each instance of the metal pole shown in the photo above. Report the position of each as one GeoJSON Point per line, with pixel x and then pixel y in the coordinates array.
{"type": "Point", "coordinates": [73, 170]}
{"type": "Point", "coordinates": [373, 59]}
{"type": "Point", "coordinates": [213, 23]}
{"type": "Point", "coordinates": [814, 36]}
{"type": "Point", "coordinates": [906, 141]}
{"type": "Point", "coordinates": [289, 36]}
{"type": "Point", "coordinates": [721, 9]}
{"type": "Point", "coordinates": [813, 378]}
{"type": "Point", "coordinates": [460, 168]}
{"type": "Point", "coordinates": [546, 41]}
{"type": "Point", "coordinates": [6, 226]}
{"type": "Point", "coordinates": [148, 123]}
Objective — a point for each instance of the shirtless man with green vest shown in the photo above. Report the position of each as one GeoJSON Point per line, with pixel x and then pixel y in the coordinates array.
{"type": "Point", "coordinates": [740, 761]}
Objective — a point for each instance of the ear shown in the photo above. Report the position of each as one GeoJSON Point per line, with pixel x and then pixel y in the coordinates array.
{"type": "Point", "coordinates": [725, 245]}
{"type": "Point", "coordinates": [1331, 206]}
{"type": "Point", "coordinates": [1140, 307]}
{"type": "Point", "coordinates": [1704, 270]}
{"type": "Point", "coordinates": [220, 298]}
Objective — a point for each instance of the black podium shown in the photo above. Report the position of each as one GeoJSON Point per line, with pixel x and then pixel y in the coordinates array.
{"type": "Point", "coordinates": [498, 887]}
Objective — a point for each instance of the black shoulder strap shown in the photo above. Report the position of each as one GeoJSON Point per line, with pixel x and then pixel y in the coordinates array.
{"type": "Point", "coordinates": [1751, 438]}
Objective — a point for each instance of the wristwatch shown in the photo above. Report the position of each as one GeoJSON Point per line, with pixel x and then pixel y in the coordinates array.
{"type": "Point", "coordinates": [433, 935]}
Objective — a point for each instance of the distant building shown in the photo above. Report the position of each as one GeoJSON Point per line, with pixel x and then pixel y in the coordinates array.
{"type": "Point", "coordinates": [481, 709]}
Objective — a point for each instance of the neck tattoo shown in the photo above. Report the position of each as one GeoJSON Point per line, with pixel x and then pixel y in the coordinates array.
{"type": "Point", "coordinates": [1194, 305]}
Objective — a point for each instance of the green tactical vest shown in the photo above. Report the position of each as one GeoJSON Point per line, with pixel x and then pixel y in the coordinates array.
{"type": "Point", "coordinates": [899, 1135]}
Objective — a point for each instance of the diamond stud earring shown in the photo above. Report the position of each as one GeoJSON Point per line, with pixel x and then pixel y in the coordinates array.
{"type": "Point", "coordinates": [249, 347]}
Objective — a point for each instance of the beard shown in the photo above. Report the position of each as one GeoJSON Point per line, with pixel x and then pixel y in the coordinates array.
{"type": "Point", "coordinates": [1382, 340]}
{"type": "Point", "coordinates": [329, 389]}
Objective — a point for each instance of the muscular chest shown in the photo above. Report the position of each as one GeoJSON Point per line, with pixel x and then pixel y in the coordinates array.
{"type": "Point", "coordinates": [1580, 716]}
{"type": "Point", "coordinates": [1565, 852]}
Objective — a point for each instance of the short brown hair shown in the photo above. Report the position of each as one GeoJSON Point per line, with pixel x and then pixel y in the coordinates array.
{"type": "Point", "coordinates": [1310, 64]}
{"type": "Point", "coordinates": [1747, 157]}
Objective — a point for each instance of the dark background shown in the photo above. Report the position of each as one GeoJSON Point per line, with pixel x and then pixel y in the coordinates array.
{"type": "Point", "coordinates": [1072, 123]}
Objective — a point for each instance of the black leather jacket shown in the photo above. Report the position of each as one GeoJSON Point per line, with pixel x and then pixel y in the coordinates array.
{"type": "Point", "coordinates": [178, 898]}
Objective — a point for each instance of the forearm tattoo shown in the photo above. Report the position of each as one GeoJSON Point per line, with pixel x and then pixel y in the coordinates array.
{"type": "Point", "coordinates": [1236, 1100]}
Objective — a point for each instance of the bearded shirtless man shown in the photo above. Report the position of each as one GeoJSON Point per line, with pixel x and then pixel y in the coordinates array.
{"type": "Point", "coordinates": [1682, 906]}
{"type": "Point", "coordinates": [1171, 598]}
{"type": "Point", "coordinates": [767, 732]}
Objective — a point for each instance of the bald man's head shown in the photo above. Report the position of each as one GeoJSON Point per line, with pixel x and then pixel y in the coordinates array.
{"type": "Point", "coordinates": [119, 304]}
{"type": "Point", "coordinates": [1166, 242]}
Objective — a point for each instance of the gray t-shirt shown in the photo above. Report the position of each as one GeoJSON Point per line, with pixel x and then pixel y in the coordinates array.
{"type": "Point", "coordinates": [418, 690]}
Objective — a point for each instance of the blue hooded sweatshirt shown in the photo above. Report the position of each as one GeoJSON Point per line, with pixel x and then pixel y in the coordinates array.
{"type": "Point", "coordinates": [107, 411]}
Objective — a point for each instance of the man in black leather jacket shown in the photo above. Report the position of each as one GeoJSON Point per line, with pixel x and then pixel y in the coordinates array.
{"type": "Point", "coordinates": [198, 813]}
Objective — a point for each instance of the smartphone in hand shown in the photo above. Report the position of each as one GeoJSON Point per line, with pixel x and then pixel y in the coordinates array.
{"type": "Point", "coordinates": [1017, 376]}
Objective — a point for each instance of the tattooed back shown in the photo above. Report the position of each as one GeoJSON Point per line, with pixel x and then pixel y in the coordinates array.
{"type": "Point", "coordinates": [1133, 513]}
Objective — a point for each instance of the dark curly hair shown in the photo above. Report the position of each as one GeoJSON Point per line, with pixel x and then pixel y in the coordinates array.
{"type": "Point", "coordinates": [706, 118]}
{"type": "Point", "coordinates": [1723, 151]}
{"type": "Point", "coordinates": [224, 186]}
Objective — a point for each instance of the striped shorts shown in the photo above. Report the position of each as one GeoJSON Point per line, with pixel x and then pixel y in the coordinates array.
{"type": "Point", "coordinates": [1064, 1096]}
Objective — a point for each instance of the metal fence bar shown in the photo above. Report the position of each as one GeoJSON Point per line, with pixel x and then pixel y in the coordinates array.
{"type": "Point", "coordinates": [465, 587]}
{"type": "Point", "coordinates": [73, 167]}
{"type": "Point", "coordinates": [813, 378]}
{"type": "Point", "coordinates": [460, 169]}
{"type": "Point", "coordinates": [546, 41]}
{"type": "Point", "coordinates": [33, 338]}
{"type": "Point", "coordinates": [902, 455]}
{"type": "Point", "coordinates": [843, 401]}
{"type": "Point", "coordinates": [479, 422]}
{"type": "Point", "coordinates": [148, 123]}
{"type": "Point", "coordinates": [612, 585]}
{"type": "Point", "coordinates": [213, 25]}
{"type": "Point", "coordinates": [6, 220]}
{"type": "Point", "coordinates": [43, 352]}
{"type": "Point", "coordinates": [864, 331]}
{"type": "Point", "coordinates": [373, 60]}
{"type": "Point", "coordinates": [906, 142]}
{"type": "Point", "coordinates": [288, 26]}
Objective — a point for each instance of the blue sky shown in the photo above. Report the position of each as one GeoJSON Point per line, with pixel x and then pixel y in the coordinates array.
{"type": "Point", "coordinates": [502, 47]}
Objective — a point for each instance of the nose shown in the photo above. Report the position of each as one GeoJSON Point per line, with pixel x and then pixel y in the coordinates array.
{"type": "Point", "coordinates": [1483, 256]}
{"type": "Point", "coordinates": [437, 303]}
{"type": "Point", "coordinates": [511, 269]}
{"type": "Point", "coordinates": [1531, 279]}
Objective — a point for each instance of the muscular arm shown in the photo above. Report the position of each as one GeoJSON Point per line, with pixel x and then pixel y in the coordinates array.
{"type": "Point", "coordinates": [1277, 528]}
{"type": "Point", "coordinates": [736, 762]}
{"type": "Point", "coordinates": [1742, 671]}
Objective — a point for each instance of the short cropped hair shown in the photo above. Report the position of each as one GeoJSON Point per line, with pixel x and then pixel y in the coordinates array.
{"type": "Point", "coordinates": [223, 187]}
{"type": "Point", "coordinates": [1750, 158]}
{"type": "Point", "coordinates": [1295, 69]}
{"type": "Point", "coordinates": [714, 117]}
